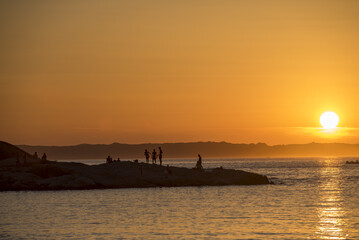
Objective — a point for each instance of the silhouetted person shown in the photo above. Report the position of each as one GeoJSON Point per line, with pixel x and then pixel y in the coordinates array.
{"type": "Point", "coordinates": [35, 155]}
{"type": "Point", "coordinates": [108, 159]}
{"type": "Point", "coordinates": [154, 156]}
{"type": "Point", "coordinates": [160, 155]}
{"type": "Point", "coordinates": [25, 158]}
{"type": "Point", "coordinates": [199, 163]}
{"type": "Point", "coordinates": [44, 157]}
{"type": "Point", "coordinates": [118, 159]}
{"type": "Point", "coordinates": [147, 155]}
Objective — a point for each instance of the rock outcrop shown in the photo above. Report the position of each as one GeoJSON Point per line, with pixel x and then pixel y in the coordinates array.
{"type": "Point", "coordinates": [51, 175]}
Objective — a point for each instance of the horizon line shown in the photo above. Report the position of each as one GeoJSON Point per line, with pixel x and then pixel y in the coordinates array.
{"type": "Point", "coordinates": [162, 143]}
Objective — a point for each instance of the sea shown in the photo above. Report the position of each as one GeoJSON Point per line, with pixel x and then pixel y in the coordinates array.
{"type": "Point", "coordinates": [310, 198]}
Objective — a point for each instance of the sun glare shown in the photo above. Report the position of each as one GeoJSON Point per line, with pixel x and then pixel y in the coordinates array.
{"type": "Point", "coordinates": [329, 120]}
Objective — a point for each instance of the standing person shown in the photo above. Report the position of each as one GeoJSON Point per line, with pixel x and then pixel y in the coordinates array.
{"type": "Point", "coordinates": [35, 155]}
{"type": "Point", "coordinates": [154, 156]}
{"type": "Point", "coordinates": [199, 163]}
{"type": "Point", "coordinates": [160, 155]}
{"type": "Point", "coordinates": [147, 155]}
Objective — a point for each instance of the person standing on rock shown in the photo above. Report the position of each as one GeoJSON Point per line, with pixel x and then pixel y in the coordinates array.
{"type": "Point", "coordinates": [154, 156]}
{"type": "Point", "coordinates": [199, 163]}
{"type": "Point", "coordinates": [147, 155]}
{"type": "Point", "coordinates": [160, 155]}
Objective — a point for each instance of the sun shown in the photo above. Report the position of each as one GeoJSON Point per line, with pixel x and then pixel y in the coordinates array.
{"type": "Point", "coordinates": [329, 120]}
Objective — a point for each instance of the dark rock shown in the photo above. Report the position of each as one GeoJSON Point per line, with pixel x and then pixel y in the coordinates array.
{"type": "Point", "coordinates": [50, 175]}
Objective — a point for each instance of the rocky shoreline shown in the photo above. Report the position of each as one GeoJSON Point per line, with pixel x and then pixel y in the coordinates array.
{"type": "Point", "coordinates": [51, 175]}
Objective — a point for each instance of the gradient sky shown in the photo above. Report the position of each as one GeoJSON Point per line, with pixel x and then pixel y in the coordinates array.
{"type": "Point", "coordinates": [169, 71]}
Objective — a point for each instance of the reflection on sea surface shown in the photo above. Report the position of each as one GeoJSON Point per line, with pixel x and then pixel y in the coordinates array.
{"type": "Point", "coordinates": [312, 199]}
{"type": "Point", "coordinates": [330, 212]}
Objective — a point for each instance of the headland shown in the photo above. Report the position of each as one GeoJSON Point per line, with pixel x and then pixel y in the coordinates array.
{"type": "Point", "coordinates": [37, 174]}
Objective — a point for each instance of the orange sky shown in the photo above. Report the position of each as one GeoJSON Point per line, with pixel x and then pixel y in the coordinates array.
{"type": "Point", "coordinates": [168, 71]}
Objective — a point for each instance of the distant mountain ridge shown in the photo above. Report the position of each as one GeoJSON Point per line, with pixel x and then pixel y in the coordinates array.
{"type": "Point", "coordinates": [191, 149]}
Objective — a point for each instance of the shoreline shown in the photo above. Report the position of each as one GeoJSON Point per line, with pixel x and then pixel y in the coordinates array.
{"type": "Point", "coordinates": [51, 175]}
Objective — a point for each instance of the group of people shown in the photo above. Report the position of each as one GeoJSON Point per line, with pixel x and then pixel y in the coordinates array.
{"type": "Point", "coordinates": [25, 157]}
{"type": "Point", "coordinates": [154, 158]}
{"type": "Point", "coordinates": [154, 155]}
{"type": "Point", "coordinates": [147, 155]}
{"type": "Point", "coordinates": [110, 160]}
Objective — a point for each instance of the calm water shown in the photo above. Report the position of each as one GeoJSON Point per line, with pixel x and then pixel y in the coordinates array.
{"type": "Point", "coordinates": [312, 199]}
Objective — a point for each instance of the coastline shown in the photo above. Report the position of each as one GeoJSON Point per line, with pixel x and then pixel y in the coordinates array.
{"type": "Point", "coordinates": [51, 175]}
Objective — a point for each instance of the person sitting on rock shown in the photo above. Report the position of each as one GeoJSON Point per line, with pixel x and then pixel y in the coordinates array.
{"type": "Point", "coordinates": [44, 157]}
{"type": "Point", "coordinates": [199, 163]}
{"type": "Point", "coordinates": [108, 159]}
{"type": "Point", "coordinates": [154, 156]}
{"type": "Point", "coordinates": [147, 155]}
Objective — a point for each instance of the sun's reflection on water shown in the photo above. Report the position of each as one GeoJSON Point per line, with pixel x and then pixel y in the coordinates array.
{"type": "Point", "coordinates": [330, 212]}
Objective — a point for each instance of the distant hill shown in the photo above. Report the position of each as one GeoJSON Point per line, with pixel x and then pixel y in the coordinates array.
{"type": "Point", "coordinates": [190, 150]}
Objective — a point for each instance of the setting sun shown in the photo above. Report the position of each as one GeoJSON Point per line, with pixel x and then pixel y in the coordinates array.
{"type": "Point", "coordinates": [329, 120]}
